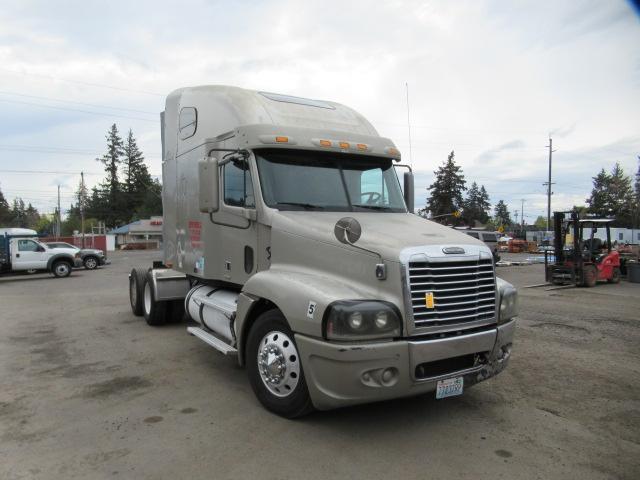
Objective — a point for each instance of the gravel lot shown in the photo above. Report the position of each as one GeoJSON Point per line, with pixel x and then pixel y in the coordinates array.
{"type": "Point", "coordinates": [87, 390]}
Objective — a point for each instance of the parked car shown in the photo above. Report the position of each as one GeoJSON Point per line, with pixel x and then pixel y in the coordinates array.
{"type": "Point", "coordinates": [91, 258]}
{"type": "Point", "coordinates": [489, 238]}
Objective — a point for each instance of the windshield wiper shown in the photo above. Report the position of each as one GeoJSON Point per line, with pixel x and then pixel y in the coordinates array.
{"type": "Point", "coordinates": [372, 207]}
{"type": "Point", "coordinates": [306, 206]}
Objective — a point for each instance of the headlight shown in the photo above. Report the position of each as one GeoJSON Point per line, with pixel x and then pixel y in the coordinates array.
{"type": "Point", "coordinates": [361, 320]}
{"type": "Point", "coordinates": [508, 301]}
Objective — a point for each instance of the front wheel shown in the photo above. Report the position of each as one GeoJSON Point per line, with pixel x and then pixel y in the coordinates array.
{"type": "Point", "coordinates": [274, 367]}
{"type": "Point", "coordinates": [90, 263]}
{"type": "Point", "coordinates": [615, 275]}
{"type": "Point", "coordinates": [61, 269]}
{"type": "Point", "coordinates": [589, 276]}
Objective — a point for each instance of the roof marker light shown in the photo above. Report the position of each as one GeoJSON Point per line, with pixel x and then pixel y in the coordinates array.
{"type": "Point", "coordinates": [344, 145]}
{"type": "Point", "coordinates": [325, 143]}
{"type": "Point", "coordinates": [282, 139]}
{"type": "Point", "coordinates": [362, 146]}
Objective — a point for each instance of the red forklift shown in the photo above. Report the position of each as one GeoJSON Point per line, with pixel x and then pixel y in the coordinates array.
{"type": "Point", "coordinates": [578, 260]}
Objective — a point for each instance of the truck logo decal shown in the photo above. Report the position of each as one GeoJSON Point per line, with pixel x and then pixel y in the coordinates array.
{"type": "Point", "coordinates": [428, 300]}
{"type": "Point", "coordinates": [311, 309]}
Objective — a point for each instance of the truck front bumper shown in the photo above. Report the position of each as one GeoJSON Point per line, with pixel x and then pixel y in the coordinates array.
{"type": "Point", "coordinates": [339, 375]}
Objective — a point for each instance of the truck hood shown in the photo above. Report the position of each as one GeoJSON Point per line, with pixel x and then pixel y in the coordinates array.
{"type": "Point", "coordinates": [385, 233]}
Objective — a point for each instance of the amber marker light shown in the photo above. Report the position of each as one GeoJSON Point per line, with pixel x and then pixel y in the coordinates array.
{"type": "Point", "coordinates": [361, 146]}
{"type": "Point", "coordinates": [325, 143]}
{"type": "Point", "coordinates": [282, 139]}
{"type": "Point", "coordinates": [344, 144]}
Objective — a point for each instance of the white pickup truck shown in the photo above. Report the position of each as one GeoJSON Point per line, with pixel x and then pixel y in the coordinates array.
{"type": "Point", "coordinates": [20, 251]}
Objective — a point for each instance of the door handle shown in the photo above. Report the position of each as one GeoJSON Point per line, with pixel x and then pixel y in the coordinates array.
{"type": "Point", "coordinates": [17, 255]}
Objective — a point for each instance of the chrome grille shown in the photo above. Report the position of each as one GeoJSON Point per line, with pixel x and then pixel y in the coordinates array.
{"type": "Point", "coordinates": [464, 293]}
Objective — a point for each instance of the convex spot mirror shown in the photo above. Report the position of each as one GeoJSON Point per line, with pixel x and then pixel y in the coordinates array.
{"type": "Point", "coordinates": [347, 230]}
{"type": "Point", "coordinates": [208, 176]}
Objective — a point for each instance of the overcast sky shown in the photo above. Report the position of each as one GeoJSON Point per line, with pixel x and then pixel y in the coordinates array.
{"type": "Point", "coordinates": [490, 80]}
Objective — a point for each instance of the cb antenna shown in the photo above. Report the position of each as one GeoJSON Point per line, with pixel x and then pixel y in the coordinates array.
{"type": "Point", "coordinates": [409, 124]}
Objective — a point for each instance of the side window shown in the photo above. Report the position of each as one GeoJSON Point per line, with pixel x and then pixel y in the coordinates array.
{"type": "Point", "coordinates": [473, 234]}
{"type": "Point", "coordinates": [372, 188]}
{"type": "Point", "coordinates": [620, 236]}
{"type": "Point", "coordinates": [489, 237]}
{"type": "Point", "coordinates": [188, 122]}
{"type": "Point", "coordinates": [238, 188]}
{"type": "Point", "coordinates": [27, 246]}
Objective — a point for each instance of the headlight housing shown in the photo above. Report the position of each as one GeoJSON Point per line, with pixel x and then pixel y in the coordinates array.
{"type": "Point", "coordinates": [508, 301]}
{"type": "Point", "coordinates": [361, 320]}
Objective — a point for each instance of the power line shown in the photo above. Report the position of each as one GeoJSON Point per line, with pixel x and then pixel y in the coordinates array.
{"type": "Point", "coordinates": [146, 112]}
{"type": "Point", "coordinates": [78, 110]}
{"type": "Point", "coordinates": [79, 82]}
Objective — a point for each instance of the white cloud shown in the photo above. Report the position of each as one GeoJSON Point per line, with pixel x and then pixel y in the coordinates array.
{"type": "Point", "coordinates": [488, 79]}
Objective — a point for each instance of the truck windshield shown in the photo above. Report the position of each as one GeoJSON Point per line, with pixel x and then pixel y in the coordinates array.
{"type": "Point", "coordinates": [304, 180]}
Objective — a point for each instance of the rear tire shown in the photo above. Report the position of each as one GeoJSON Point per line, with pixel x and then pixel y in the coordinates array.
{"type": "Point", "coordinates": [136, 290]}
{"type": "Point", "coordinates": [61, 269]}
{"type": "Point", "coordinates": [155, 313]}
{"type": "Point", "coordinates": [271, 339]}
{"type": "Point", "coordinates": [615, 276]}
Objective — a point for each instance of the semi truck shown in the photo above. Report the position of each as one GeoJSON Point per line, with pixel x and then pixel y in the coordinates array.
{"type": "Point", "coordinates": [21, 251]}
{"type": "Point", "coordinates": [291, 245]}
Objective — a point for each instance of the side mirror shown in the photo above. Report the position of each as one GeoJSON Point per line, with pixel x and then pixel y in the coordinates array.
{"type": "Point", "coordinates": [408, 190]}
{"type": "Point", "coordinates": [208, 185]}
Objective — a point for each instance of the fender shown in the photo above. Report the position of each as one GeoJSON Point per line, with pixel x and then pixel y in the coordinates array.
{"type": "Point", "coordinates": [302, 298]}
{"type": "Point", "coordinates": [59, 256]}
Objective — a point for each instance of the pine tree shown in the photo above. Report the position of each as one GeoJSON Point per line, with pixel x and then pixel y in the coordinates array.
{"type": "Point", "coordinates": [5, 211]}
{"type": "Point", "coordinates": [476, 205]}
{"type": "Point", "coordinates": [137, 178]}
{"type": "Point", "coordinates": [502, 217]}
{"type": "Point", "coordinates": [612, 196]}
{"type": "Point", "coordinates": [446, 191]}
{"type": "Point", "coordinates": [116, 208]}
{"type": "Point", "coordinates": [600, 199]}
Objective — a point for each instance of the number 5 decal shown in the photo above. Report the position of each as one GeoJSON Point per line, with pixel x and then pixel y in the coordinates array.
{"type": "Point", "coordinates": [311, 310]}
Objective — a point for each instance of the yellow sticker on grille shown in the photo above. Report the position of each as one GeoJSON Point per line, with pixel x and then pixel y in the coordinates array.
{"type": "Point", "coordinates": [428, 299]}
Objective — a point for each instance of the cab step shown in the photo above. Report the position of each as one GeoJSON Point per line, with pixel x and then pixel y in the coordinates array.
{"type": "Point", "coordinates": [215, 342]}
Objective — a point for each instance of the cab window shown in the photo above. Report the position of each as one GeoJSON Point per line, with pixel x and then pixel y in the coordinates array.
{"type": "Point", "coordinates": [473, 234]}
{"type": "Point", "coordinates": [188, 122]}
{"type": "Point", "coordinates": [372, 188]}
{"type": "Point", "coordinates": [27, 246]}
{"type": "Point", "coordinates": [238, 188]}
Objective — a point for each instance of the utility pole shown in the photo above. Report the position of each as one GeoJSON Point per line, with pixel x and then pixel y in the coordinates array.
{"type": "Point", "coordinates": [548, 184]}
{"type": "Point", "coordinates": [522, 213]}
{"type": "Point", "coordinates": [409, 125]}
{"type": "Point", "coordinates": [82, 200]}
{"type": "Point", "coordinates": [59, 215]}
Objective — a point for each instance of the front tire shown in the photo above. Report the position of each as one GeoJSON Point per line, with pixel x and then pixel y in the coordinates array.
{"type": "Point", "coordinates": [61, 269]}
{"type": "Point", "coordinates": [90, 263]}
{"type": "Point", "coordinates": [615, 275]}
{"type": "Point", "coordinates": [274, 367]}
{"type": "Point", "coordinates": [155, 312]}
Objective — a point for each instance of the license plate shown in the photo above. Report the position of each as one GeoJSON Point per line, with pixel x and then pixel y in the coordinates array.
{"type": "Point", "coordinates": [449, 387]}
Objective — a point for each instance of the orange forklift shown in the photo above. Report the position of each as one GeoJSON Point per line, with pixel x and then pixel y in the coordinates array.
{"type": "Point", "coordinates": [579, 261]}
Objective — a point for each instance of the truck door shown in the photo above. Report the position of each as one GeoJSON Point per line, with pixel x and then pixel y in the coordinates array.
{"type": "Point", "coordinates": [27, 254]}
{"type": "Point", "coordinates": [237, 217]}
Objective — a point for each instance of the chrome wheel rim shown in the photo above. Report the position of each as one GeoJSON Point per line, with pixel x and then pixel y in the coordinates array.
{"type": "Point", "coordinates": [278, 363]}
{"type": "Point", "coordinates": [147, 298]}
